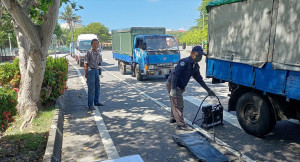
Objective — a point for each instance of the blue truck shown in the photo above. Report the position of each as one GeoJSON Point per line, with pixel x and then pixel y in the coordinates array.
{"type": "Point", "coordinates": [145, 50]}
{"type": "Point", "coordinates": [254, 47]}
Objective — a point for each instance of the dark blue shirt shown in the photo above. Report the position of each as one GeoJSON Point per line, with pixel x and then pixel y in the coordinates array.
{"type": "Point", "coordinates": [184, 69]}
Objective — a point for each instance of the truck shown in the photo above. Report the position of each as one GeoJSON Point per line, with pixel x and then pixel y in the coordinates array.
{"type": "Point", "coordinates": [145, 50]}
{"type": "Point", "coordinates": [83, 44]}
{"type": "Point", "coordinates": [254, 47]}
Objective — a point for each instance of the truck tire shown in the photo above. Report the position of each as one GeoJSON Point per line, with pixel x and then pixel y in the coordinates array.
{"type": "Point", "coordinates": [138, 74]}
{"type": "Point", "coordinates": [254, 114]}
{"type": "Point", "coordinates": [122, 68]}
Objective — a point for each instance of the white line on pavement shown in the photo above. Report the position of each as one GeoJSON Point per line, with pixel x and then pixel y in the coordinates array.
{"type": "Point", "coordinates": [208, 135]}
{"type": "Point", "coordinates": [294, 121]}
{"type": "Point", "coordinates": [226, 116]}
{"type": "Point", "coordinates": [108, 143]}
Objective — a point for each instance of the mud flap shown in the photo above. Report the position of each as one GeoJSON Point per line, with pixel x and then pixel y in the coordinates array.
{"type": "Point", "coordinates": [198, 145]}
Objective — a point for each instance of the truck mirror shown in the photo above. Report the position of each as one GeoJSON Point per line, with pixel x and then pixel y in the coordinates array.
{"type": "Point", "coordinates": [77, 47]}
{"type": "Point", "coordinates": [144, 46]}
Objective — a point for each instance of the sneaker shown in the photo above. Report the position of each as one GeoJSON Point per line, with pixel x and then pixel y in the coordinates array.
{"type": "Point", "coordinates": [91, 108]}
{"type": "Point", "coordinates": [172, 121]}
{"type": "Point", "coordinates": [184, 127]}
{"type": "Point", "coordinates": [99, 104]}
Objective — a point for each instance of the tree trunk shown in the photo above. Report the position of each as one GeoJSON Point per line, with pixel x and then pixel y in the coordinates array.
{"type": "Point", "coordinates": [29, 96]}
{"type": "Point", "coordinates": [32, 64]}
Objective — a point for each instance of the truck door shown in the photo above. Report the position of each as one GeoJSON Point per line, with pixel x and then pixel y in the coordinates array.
{"type": "Point", "coordinates": [139, 52]}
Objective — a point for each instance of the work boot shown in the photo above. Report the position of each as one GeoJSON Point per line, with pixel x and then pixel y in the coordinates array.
{"type": "Point", "coordinates": [91, 108]}
{"type": "Point", "coordinates": [172, 121]}
{"type": "Point", "coordinates": [184, 127]}
{"type": "Point", "coordinates": [99, 104]}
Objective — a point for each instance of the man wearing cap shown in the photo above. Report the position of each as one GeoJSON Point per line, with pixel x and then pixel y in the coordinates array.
{"type": "Point", "coordinates": [177, 81]}
{"type": "Point", "coordinates": [91, 67]}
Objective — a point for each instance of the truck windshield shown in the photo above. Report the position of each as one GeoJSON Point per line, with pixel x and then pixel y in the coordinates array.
{"type": "Point", "coordinates": [85, 45]}
{"type": "Point", "coordinates": [161, 43]}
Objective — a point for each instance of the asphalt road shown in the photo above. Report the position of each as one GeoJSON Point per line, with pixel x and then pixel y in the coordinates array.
{"type": "Point", "coordinates": [136, 116]}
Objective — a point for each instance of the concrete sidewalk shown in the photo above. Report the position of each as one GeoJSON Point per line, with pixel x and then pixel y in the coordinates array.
{"type": "Point", "coordinates": [81, 139]}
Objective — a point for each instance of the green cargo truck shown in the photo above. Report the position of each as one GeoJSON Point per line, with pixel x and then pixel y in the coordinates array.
{"type": "Point", "coordinates": [147, 50]}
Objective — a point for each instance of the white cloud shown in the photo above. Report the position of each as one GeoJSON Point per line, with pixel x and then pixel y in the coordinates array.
{"type": "Point", "coordinates": [183, 28]}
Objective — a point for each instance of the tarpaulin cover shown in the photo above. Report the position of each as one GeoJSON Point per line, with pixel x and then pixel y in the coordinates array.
{"type": "Point", "coordinates": [255, 32]}
{"type": "Point", "coordinates": [219, 3]}
{"type": "Point", "coordinates": [240, 32]}
{"type": "Point", "coordinates": [286, 55]}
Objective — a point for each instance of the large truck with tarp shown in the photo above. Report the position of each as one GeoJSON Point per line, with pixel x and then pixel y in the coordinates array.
{"type": "Point", "coordinates": [254, 45]}
{"type": "Point", "coordinates": [145, 50]}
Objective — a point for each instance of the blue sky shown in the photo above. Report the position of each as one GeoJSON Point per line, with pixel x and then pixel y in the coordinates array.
{"type": "Point", "coordinates": [116, 14]}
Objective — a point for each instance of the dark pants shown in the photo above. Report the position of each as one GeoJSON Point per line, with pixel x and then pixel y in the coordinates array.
{"type": "Point", "coordinates": [93, 83]}
{"type": "Point", "coordinates": [176, 105]}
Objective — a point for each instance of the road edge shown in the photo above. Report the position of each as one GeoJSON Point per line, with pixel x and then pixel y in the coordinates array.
{"type": "Point", "coordinates": [55, 138]}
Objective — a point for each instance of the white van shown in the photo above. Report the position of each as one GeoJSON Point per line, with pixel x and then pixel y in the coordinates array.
{"type": "Point", "coordinates": [83, 44]}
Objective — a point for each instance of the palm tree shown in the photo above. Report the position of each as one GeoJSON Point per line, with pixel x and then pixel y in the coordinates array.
{"type": "Point", "coordinates": [70, 18]}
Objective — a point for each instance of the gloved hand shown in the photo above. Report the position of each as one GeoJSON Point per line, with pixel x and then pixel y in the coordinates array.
{"type": "Point", "coordinates": [211, 93]}
{"type": "Point", "coordinates": [173, 92]}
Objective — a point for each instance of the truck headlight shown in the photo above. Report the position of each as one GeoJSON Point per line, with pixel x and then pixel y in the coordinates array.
{"type": "Point", "coordinates": [151, 67]}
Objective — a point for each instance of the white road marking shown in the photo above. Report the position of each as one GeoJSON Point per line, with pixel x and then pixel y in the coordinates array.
{"type": "Point", "coordinates": [108, 143]}
{"type": "Point", "coordinates": [208, 135]}
{"type": "Point", "coordinates": [294, 121]}
{"type": "Point", "coordinates": [232, 119]}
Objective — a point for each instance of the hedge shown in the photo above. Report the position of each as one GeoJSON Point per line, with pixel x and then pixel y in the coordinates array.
{"type": "Point", "coordinates": [54, 84]}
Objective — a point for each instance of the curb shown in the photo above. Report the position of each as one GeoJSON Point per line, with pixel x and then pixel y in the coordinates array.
{"type": "Point", "coordinates": [55, 138]}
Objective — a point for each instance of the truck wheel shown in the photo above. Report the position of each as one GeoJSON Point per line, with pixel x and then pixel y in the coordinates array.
{"type": "Point", "coordinates": [138, 74]}
{"type": "Point", "coordinates": [254, 114]}
{"type": "Point", "coordinates": [122, 67]}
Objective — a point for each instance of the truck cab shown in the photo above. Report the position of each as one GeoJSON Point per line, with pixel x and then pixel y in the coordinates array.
{"type": "Point", "coordinates": [154, 55]}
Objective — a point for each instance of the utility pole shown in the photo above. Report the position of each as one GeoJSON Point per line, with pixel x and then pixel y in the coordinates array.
{"type": "Point", "coordinates": [71, 29]}
{"type": "Point", "coordinates": [9, 44]}
{"type": "Point", "coordinates": [202, 25]}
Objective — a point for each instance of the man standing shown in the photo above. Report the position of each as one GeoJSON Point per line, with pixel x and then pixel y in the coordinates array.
{"type": "Point", "coordinates": [91, 67]}
{"type": "Point", "coordinates": [178, 80]}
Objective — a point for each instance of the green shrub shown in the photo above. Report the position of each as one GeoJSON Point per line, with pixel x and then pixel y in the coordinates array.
{"type": "Point", "coordinates": [8, 103]}
{"type": "Point", "coordinates": [55, 78]}
{"type": "Point", "coordinates": [10, 74]}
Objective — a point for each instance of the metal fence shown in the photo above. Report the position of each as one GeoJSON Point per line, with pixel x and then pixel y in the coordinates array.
{"type": "Point", "coordinates": [56, 50]}
{"type": "Point", "coordinates": [6, 52]}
